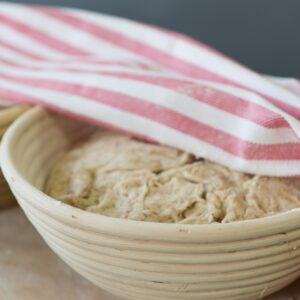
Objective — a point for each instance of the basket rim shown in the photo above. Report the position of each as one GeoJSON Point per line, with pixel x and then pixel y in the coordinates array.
{"type": "Point", "coordinates": [279, 223]}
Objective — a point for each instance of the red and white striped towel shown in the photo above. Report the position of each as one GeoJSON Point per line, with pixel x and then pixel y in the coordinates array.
{"type": "Point", "coordinates": [152, 83]}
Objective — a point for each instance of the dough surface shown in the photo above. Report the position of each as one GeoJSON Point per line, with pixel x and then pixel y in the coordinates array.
{"type": "Point", "coordinates": [114, 175]}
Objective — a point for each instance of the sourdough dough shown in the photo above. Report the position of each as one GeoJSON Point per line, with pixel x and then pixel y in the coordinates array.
{"type": "Point", "coordinates": [114, 175]}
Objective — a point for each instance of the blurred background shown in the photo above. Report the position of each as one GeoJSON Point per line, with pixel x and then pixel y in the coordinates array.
{"type": "Point", "coordinates": [262, 34]}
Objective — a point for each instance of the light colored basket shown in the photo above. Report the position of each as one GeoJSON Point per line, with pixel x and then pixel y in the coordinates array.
{"type": "Point", "coordinates": [7, 116]}
{"type": "Point", "coordinates": [143, 260]}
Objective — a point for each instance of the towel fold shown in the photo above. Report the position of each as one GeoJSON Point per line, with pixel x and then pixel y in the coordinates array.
{"type": "Point", "coordinates": [155, 84]}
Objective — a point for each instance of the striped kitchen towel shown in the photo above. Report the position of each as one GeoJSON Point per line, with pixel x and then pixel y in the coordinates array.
{"type": "Point", "coordinates": [152, 83]}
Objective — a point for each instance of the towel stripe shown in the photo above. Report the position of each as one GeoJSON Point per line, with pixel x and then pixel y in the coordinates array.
{"type": "Point", "coordinates": [151, 83]}
{"type": "Point", "coordinates": [169, 118]}
{"type": "Point", "coordinates": [164, 58]}
{"type": "Point", "coordinates": [40, 37]}
{"type": "Point", "coordinates": [222, 100]}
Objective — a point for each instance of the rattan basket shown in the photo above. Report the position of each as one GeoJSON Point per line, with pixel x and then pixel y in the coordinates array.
{"type": "Point", "coordinates": [144, 260]}
{"type": "Point", "coordinates": [7, 116]}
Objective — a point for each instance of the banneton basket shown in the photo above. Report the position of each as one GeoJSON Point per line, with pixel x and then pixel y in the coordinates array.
{"type": "Point", "coordinates": [7, 116]}
{"type": "Point", "coordinates": [144, 260]}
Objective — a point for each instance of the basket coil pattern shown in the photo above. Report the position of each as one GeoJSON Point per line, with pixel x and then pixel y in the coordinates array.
{"type": "Point", "coordinates": [141, 260]}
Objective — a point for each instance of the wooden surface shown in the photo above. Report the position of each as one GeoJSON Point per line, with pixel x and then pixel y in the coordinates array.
{"type": "Point", "coordinates": [29, 270]}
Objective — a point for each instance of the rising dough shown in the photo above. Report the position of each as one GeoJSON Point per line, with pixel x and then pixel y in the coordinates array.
{"type": "Point", "coordinates": [114, 175]}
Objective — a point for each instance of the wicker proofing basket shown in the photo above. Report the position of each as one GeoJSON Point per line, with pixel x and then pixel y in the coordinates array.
{"type": "Point", "coordinates": [7, 116]}
{"type": "Point", "coordinates": [143, 260]}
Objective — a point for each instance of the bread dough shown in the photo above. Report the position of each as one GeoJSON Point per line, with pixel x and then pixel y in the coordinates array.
{"type": "Point", "coordinates": [115, 175]}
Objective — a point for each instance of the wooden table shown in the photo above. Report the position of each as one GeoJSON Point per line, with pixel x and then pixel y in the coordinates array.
{"type": "Point", "coordinates": [29, 270]}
